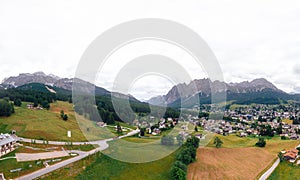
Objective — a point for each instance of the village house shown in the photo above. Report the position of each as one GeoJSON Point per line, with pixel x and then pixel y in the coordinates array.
{"type": "Point", "coordinates": [101, 124]}
{"type": "Point", "coordinates": [7, 144]}
{"type": "Point", "coordinates": [30, 106]}
{"type": "Point", "coordinates": [2, 176]}
{"type": "Point", "coordinates": [294, 137]}
{"type": "Point", "coordinates": [156, 131]}
{"type": "Point", "coordinates": [136, 122]}
{"type": "Point", "coordinates": [291, 155]}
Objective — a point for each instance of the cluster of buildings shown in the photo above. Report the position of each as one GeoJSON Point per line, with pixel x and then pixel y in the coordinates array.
{"type": "Point", "coordinates": [31, 106]}
{"type": "Point", "coordinates": [256, 128]}
{"type": "Point", "coordinates": [153, 127]}
{"type": "Point", "coordinates": [264, 112]}
{"type": "Point", "coordinates": [255, 120]}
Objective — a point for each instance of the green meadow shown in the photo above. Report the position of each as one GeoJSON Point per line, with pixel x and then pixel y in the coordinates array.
{"type": "Point", "coordinates": [100, 166]}
{"type": "Point", "coordinates": [47, 124]}
{"type": "Point", "coordinates": [285, 171]}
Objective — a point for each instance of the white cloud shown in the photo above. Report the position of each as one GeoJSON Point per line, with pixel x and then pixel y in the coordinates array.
{"type": "Point", "coordinates": [251, 39]}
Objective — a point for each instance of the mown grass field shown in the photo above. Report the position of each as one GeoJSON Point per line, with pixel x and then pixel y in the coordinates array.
{"type": "Point", "coordinates": [274, 144]}
{"type": "Point", "coordinates": [103, 167]}
{"type": "Point", "coordinates": [115, 169]}
{"type": "Point", "coordinates": [237, 159]}
{"type": "Point", "coordinates": [285, 171]}
{"type": "Point", "coordinates": [47, 124]}
{"type": "Point", "coordinates": [134, 151]}
{"type": "Point", "coordinates": [229, 163]}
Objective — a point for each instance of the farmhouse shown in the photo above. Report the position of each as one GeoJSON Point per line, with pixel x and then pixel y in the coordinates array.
{"type": "Point", "coordinates": [101, 124]}
{"type": "Point", "coordinates": [30, 106]}
{"type": "Point", "coordinates": [294, 137]}
{"type": "Point", "coordinates": [291, 154]}
{"type": "Point", "coordinates": [7, 143]}
{"type": "Point", "coordinates": [2, 176]}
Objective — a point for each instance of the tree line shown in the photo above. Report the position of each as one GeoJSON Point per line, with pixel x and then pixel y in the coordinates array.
{"type": "Point", "coordinates": [86, 105]}
{"type": "Point", "coordinates": [36, 97]}
{"type": "Point", "coordinates": [185, 156]}
{"type": "Point", "coordinates": [106, 112]}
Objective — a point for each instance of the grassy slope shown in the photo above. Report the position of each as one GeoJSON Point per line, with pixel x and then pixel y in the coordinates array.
{"type": "Point", "coordinates": [120, 170]}
{"type": "Point", "coordinates": [274, 145]}
{"type": "Point", "coordinates": [47, 124]}
{"type": "Point", "coordinates": [103, 167]}
{"type": "Point", "coordinates": [133, 152]}
{"type": "Point", "coordinates": [285, 171]}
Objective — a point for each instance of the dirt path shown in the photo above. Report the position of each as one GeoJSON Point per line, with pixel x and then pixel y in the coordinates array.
{"type": "Point", "coordinates": [36, 156]}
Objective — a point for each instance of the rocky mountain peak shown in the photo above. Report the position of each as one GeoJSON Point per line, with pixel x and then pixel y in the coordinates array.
{"type": "Point", "coordinates": [206, 87]}
{"type": "Point", "coordinates": [39, 73]}
{"type": "Point", "coordinates": [26, 78]}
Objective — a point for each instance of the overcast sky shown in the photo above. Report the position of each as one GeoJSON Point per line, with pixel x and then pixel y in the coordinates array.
{"type": "Point", "coordinates": [251, 39]}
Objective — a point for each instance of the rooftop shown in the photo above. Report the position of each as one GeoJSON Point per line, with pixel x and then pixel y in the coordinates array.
{"type": "Point", "coordinates": [6, 138]}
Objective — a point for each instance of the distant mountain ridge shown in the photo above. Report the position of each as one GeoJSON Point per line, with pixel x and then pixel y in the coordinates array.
{"type": "Point", "coordinates": [205, 87]}
{"type": "Point", "coordinates": [255, 91]}
{"type": "Point", "coordinates": [26, 78]}
{"type": "Point", "coordinates": [51, 80]}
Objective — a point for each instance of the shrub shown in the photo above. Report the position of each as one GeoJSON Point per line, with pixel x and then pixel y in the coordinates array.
{"type": "Point", "coordinates": [65, 117]}
{"type": "Point", "coordinates": [6, 108]}
{"type": "Point", "coordinates": [261, 142]}
{"type": "Point", "coordinates": [180, 165]}
{"type": "Point", "coordinates": [184, 156]}
{"type": "Point", "coordinates": [177, 173]}
{"type": "Point", "coordinates": [17, 102]}
{"type": "Point", "coordinates": [218, 142]}
{"type": "Point", "coordinates": [193, 142]}
{"type": "Point", "coordinates": [284, 138]}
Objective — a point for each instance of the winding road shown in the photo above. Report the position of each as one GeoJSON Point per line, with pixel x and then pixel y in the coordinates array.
{"type": "Point", "coordinates": [102, 146]}
{"type": "Point", "coordinates": [269, 171]}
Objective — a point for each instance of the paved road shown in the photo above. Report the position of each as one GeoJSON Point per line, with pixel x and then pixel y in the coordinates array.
{"type": "Point", "coordinates": [102, 146]}
{"type": "Point", "coordinates": [269, 171]}
{"type": "Point", "coordinates": [11, 157]}
{"type": "Point", "coordinates": [78, 143]}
